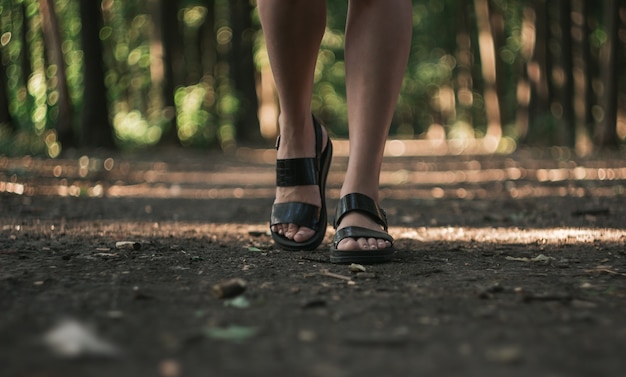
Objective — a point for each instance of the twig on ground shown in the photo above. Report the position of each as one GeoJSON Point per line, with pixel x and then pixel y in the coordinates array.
{"type": "Point", "coordinates": [329, 274]}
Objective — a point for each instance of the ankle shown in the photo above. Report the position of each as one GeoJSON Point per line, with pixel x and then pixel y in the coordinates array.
{"type": "Point", "coordinates": [296, 139]}
{"type": "Point", "coordinates": [295, 125]}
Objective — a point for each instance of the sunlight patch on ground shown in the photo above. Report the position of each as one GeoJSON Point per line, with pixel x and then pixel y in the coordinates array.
{"type": "Point", "coordinates": [536, 236]}
{"type": "Point", "coordinates": [408, 192]}
{"type": "Point", "coordinates": [259, 232]}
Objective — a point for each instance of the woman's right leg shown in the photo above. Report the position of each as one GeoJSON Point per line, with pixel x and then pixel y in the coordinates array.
{"type": "Point", "coordinates": [293, 32]}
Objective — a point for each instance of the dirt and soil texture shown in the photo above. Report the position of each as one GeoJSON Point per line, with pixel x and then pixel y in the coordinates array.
{"type": "Point", "coordinates": [506, 265]}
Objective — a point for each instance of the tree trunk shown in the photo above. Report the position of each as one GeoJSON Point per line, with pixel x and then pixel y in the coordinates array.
{"type": "Point", "coordinates": [489, 74]}
{"type": "Point", "coordinates": [561, 73]}
{"type": "Point", "coordinates": [605, 134]}
{"type": "Point", "coordinates": [208, 43]}
{"type": "Point", "coordinates": [496, 21]}
{"type": "Point", "coordinates": [243, 72]}
{"type": "Point", "coordinates": [96, 127]}
{"type": "Point", "coordinates": [540, 120]}
{"type": "Point", "coordinates": [24, 52]}
{"type": "Point", "coordinates": [52, 39]}
{"type": "Point", "coordinates": [165, 37]}
{"type": "Point", "coordinates": [193, 50]}
{"type": "Point", "coordinates": [523, 87]}
{"type": "Point", "coordinates": [581, 72]}
{"type": "Point", "coordinates": [464, 81]}
{"type": "Point", "coordinates": [5, 115]}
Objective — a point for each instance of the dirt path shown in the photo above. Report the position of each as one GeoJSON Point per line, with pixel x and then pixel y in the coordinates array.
{"type": "Point", "coordinates": [506, 265]}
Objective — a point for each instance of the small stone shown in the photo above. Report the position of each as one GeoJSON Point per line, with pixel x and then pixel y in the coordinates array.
{"type": "Point", "coordinates": [314, 303]}
{"type": "Point", "coordinates": [128, 245]}
{"type": "Point", "coordinates": [580, 304]}
{"type": "Point", "coordinates": [366, 275]}
{"type": "Point", "coordinates": [170, 368]}
{"type": "Point", "coordinates": [229, 289]}
{"type": "Point", "coordinates": [307, 336]}
{"type": "Point", "coordinates": [115, 314]}
{"type": "Point", "coordinates": [504, 355]}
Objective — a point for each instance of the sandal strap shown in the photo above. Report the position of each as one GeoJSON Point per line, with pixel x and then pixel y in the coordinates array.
{"type": "Point", "coordinates": [297, 171]}
{"type": "Point", "coordinates": [302, 214]}
{"type": "Point", "coordinates": [361, 203]}
{"type": "Point", "coordinates": [300, 171]}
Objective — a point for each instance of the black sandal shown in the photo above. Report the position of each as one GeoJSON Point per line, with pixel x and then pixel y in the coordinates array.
{"type": "Point", "coordinates": [366, 205]}
{"type": "Point", "coordinates": [301, 172]}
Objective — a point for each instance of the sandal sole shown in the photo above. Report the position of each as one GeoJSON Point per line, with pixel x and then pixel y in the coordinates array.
{"type": "Point", "coordinates": [361, 257]}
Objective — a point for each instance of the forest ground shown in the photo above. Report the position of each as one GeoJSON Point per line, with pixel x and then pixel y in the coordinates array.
{"type": "Point", "coordinates": [506, 265]}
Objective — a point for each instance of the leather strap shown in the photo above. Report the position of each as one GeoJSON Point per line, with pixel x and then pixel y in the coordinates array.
{"type": "Point", "coordinates": [297, 172]}
{"type": "Point", "coordinates": [300, 171]}
{"type": "Point", "coordinates": [361, 203]}
{"type": "Point", "coordinates": [303, 214]}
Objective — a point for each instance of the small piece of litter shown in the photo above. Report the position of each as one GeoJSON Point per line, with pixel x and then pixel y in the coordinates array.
{"type": "Point", "coordinates": [357, 268]}
{"type": "Point", "coordinates": [233, 333]}
{"type": "Point", "coordinates": [239, 302]}
{"type": "Point", "coordinates": [72, 339]}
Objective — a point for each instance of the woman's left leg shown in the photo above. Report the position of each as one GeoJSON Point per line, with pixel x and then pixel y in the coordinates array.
{"type": "Point", "coordinates": [378, 38]}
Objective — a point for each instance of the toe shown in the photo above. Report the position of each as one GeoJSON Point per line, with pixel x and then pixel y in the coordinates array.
{"type": "Point", "coordinates": [363, 244]}
{"type": "Point", "coordinates": [278, 229]}
{"type": "Point", "coordinates": [383, 244]}
{"type": "Point", "coordinates": [303, 234]}
{"type": "Point", "coordinates": [285, 229]}
{"type": "Point", "coordinates": [348, 244]}
{"type": "Point", "coordinates": [372, 243]}
{"type": "Point", "coordinates": [352, 244]}
{"type": "Point", "coordinates": [291, 230]}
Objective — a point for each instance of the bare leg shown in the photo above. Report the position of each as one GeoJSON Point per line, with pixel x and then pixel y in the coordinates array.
{"type": "Point", "coordinates": [378, 36]}
{"type": "Point", "coordinates": [293, 32]}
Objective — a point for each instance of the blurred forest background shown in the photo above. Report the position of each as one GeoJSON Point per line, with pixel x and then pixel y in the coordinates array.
{"type": "Point", "coordinates": [87, 74]}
